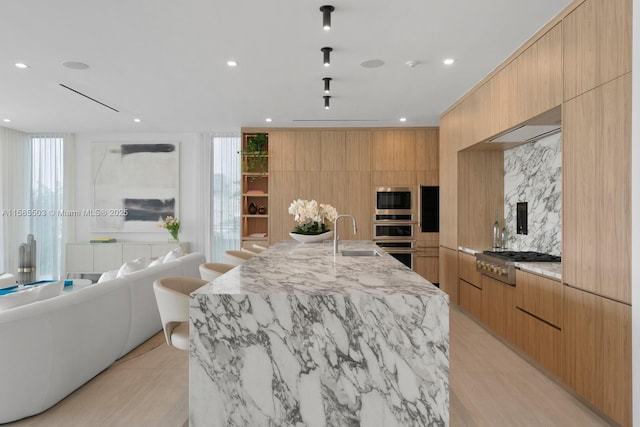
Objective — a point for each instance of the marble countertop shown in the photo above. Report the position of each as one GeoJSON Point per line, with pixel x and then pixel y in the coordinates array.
{"type": "Point", "coordinates": [552, 270]}
{"type": "Point", "coordinates": [468, 250]}
{"type": "Point", "coordinates": [290, 267]}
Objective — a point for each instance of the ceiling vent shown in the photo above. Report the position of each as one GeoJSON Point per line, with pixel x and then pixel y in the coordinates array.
{"type": "Point", "coordinates": [527, 133]}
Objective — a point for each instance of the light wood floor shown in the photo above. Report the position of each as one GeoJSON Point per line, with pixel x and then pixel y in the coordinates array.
{"type": "Point", "coordinates": [490, 386]}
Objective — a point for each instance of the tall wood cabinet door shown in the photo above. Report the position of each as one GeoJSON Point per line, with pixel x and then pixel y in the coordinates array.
{"type": "Point", "coordinates": [596, 44]}
{"type": "Point", "coordinates": [596, 358]}
{"type": "Point", "coordinates": [448, 273]}
{"type": "Point", "coordinates": [308, 151]}
{"type": "Point", "coordinates": [358, 150]}
{"type": "Point", "coordinates": [596, 191]}
{"type": "Point", "coordinates": [281, 151]}
{"type": "Point", "coordinates": [449, 202]}
{"type": "Point", "coordinates": [426, 154]}
{"type": "Point", "coordinates": [285, 190]}
{"type": "Point", "coordinates": [333, 149]}
{"type": "Point", "coordinates": [382, 150]}
{"type": "Point", "coordinates": [404, 150]}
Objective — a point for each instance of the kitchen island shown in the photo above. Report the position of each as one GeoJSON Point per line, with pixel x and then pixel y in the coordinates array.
{"type": "Point", "coordinates": [299, 337]}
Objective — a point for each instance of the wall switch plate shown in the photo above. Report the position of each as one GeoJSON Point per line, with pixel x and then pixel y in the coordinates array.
{"type": "Point", "coordinates": [521, 218]}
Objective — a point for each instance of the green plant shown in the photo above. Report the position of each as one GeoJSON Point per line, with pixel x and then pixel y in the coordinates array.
{"type": "Point", "coordinates": [254, 157]}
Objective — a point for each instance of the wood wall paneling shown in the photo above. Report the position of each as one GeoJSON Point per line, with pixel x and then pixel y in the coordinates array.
{"type": "Point", "coordinates": [282, 150]}
{"type": "Point", "coordinates": [448, 269]}
{"type": "Point", "coordinates": [480, 195]}
{"type": "Point", "coordinates": [596, 358]}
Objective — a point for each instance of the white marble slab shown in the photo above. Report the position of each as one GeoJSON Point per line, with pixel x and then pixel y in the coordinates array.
{"type": "Point", "coordinates": [552, 270]}
{"type": "Point", "coordinates": [298, 337]}
{"type": "Point", "coordinates": [533, 174]}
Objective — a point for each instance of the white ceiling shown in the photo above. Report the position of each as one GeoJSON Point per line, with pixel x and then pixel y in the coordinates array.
{"type": "Point", "coordinates": [165, 61]}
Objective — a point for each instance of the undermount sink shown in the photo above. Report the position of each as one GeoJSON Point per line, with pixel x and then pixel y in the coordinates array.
{"type": "Point", "coordinates": [359, 253]}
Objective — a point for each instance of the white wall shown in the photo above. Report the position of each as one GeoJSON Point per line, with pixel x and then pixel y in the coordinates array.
{"type": "Point", "coordinates": [188, 179]}
{"type": "Point", "coordinates": [635, 210]}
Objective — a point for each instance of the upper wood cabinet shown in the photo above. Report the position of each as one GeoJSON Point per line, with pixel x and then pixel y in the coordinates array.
{"type": "Point", "coordinates": [597, 44]}
{"type": "Point", "coordinates": [394, 150]}
{"type": "Point", "coordinates": [596, 189]}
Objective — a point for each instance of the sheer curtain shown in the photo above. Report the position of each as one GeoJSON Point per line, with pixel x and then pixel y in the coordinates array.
{"type": "Point", "coordinates": [219, 204]}
{"type": "Point", "coordinates": [51, 175]}
{"type": "Point", "coordinates": [14, 193]}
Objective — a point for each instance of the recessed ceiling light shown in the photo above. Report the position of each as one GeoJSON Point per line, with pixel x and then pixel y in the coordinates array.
{"type": "Point", "coordinates": [268, 120]}
{"type": "Point", "coordinates": [6, 120]}
{"type": "Point", "coordinates": [372, 63]}
{"type": "Point", "coordinates": [137, 120]}
{"type": "Point", "coordinates": [449, 61]}
{"type": "Point", "coordinates": [21, 65]}
{"type": "Point", "coordinates": [411, 63]}
{"type": "Point", "coordinates": [403, 119]}
{"type": "Point", "coordinates": [75, 65]}
{"type": "Point", "coordinates": [232, 63]}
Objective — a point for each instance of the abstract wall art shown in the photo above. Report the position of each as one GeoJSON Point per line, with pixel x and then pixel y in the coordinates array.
{"type": "Point", "coordinates": [135, 185]}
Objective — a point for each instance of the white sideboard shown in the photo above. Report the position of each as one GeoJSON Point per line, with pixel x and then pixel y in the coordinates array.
{"type": "Point", "coordinates": [101, 257]}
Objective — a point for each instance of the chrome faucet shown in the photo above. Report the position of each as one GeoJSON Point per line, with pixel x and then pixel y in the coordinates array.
{"type": "Point", "coordinates": [335, 228]}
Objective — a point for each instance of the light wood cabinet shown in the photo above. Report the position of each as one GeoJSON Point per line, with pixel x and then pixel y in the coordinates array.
{"type": "Point", "coordinates": [596, 358]}
{"type": "Point", "coordinates": [467, 269]}
{"type": "Point", "coordinates": [471, 299]}
{"type": "Point", "coordinates": [425, 260]}
{"type": "Point", "coordinates": [448, 273]}
{"type": "Point", "coordinates": [596, 44]}
{"type": "Point", "coordinates": [540, 340]}
{"type": "Point", "coordinates": [596, 189]}
{"type": "Point", "coordinates": [499, 307]}
{"type": "Point", "coordinates": [539, 296]}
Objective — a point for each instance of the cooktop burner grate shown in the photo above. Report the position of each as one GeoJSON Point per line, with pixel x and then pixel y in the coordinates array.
{"type": "Point", "coordinates": [515, 256]}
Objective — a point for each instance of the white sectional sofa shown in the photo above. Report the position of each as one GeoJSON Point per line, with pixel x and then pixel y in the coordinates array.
{"type": "Point", "coordinates": [50, 348]}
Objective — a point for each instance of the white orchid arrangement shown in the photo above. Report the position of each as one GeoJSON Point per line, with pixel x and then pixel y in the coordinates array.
{"type": "Point", "coordinates": [310, 216]}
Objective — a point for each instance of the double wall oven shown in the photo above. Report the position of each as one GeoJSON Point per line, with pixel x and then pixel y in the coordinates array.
{"type": "Point", "coordinates": [394, 227]}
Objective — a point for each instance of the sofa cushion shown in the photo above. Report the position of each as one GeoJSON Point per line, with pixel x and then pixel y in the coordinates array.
{"type": "Point", "coordinates": [108, 275]}
{"type": "Point", "coordinates": [131, 266]}
{"type": "Point", "coordinates": [173, 254]}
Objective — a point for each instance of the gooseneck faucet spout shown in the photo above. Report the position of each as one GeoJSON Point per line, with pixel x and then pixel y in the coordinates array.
{"type": "Point", "coordinates": [336, 238]}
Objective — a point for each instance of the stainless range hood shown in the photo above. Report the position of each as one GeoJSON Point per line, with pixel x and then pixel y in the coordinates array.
{"type": "Point", "coordinates": [527, 133]}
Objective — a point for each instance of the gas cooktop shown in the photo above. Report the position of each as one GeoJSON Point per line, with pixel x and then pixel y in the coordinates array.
{"type": "Point", "coordinates": [515, 256]}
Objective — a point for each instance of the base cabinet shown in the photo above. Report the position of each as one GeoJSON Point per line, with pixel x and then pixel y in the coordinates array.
{"type": "Point", "coordinates": [540, 340]}
{"type": "Point", "coordinates": [596, 360]}
{"type": "Point", "coordinates": [101, 257]}
{"type": "Point", "coordinates": [448, 273]}
{"type": "Point", "coordinates": [425, 263]}
{"type": "Point", "coordinates": [470, 298]}
{"type": "Point", "coordinates": [499, 307]}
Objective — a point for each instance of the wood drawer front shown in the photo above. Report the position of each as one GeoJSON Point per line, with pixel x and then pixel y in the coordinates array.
{"type": "Point", "coordinates": [467, 269]}
{"type": "Point", "coordinates": [539, 340]}
{"type": "Point", "coordinates": [470, 298]}
{"type": "Point", "coordinates": [539, 296]}
{"type": "Point", "coordinates": [499, 307]}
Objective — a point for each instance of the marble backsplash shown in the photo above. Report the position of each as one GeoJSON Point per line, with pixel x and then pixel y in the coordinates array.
{"type": "Point", "coordinates": [533, 174]}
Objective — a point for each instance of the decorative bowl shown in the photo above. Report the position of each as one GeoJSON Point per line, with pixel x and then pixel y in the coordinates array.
{"type": "Point", "coordinates": [311, 238]}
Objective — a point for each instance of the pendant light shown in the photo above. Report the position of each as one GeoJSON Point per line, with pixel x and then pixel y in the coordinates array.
{"type": "Point", "coordinates": [327, 81]}
{"type": "Point", "coordinates": [326, 16]}
{"type": "Point", "coordinates": [326, 102]}
{"type": "Point", "coordinates": [327, 51]}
